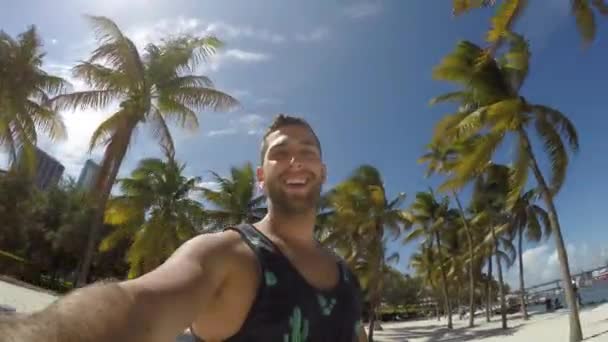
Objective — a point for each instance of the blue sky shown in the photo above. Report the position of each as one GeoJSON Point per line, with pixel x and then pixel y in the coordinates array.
{"type": "Point", "coordinates": [360, 72]}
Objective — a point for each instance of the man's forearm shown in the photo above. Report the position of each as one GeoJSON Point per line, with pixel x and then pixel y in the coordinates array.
{"type": "Point", "coordinates": [101, 312]}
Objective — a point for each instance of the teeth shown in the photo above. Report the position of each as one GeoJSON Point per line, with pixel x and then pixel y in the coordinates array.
{"type": "Point", "coordinates": [296, 181]}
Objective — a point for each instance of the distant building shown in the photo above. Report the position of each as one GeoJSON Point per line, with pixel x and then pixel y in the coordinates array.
{"type": "Point", "coordinates": [48, 170]}
{"type": "Point", "coordinates": [88, 175]}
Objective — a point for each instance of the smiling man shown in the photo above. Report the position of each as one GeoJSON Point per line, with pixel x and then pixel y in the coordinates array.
{"type": "Point", "coordinates": [270, 281]}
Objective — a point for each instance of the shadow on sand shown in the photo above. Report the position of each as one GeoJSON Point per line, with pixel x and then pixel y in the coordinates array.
{"type": "Point", "coordinates": [443, 334]}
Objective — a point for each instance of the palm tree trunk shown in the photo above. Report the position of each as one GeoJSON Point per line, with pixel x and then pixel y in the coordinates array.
{"type": "Point", "coordinates": [489, 300]}
{"type": "Point", "coordinates": [522, 287]}
{"type": "Point", "coordinates": [113, 157]}
{"type": "Point", "coordinates": [576, 333]}
{"type": "Point", "coordinates": [467, 229]}
{"type": "Point", "coordinates": [444, 287]}
{"type": "Point", "coordinates": [501, 289]}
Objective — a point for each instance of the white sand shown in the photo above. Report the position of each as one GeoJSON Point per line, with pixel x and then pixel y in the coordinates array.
{"type": "Point", "coordinates": [540, 327]}
{"type": "Point", "coordinates": [22, 299]}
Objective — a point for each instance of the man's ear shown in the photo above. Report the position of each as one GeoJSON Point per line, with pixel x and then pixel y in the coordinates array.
{"type": "Point", "coordinates": [324, 174]}
{"type": "Point", "coordinates": [259, 175]}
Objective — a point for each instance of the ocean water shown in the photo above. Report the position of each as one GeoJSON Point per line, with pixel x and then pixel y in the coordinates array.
{"type": "Point", "coordinates": [595, 294]}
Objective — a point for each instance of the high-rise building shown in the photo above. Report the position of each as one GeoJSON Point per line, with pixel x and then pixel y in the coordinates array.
{"type": "Point", "coordinates": [88, 175]}
{"type": "Point", "coordinates": [48, 170]}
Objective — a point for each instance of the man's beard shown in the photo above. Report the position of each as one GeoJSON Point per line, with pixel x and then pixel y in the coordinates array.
{"type": "Point", "coordinates": [287, 205]}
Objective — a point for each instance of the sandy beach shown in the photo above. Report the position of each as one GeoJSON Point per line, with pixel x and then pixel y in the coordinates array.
{"type": "Point", "coordinates": [23, 299]}
{"type": "Point", "coordinates": [541, 327]}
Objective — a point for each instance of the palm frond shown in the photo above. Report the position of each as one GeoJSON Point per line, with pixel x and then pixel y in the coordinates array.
{"type": "Point", "coordinates": [600, 6]}
{"type": "Point", "coordinates": [505, 18]}
{"type": "Point", "coordinates": [554, 147]}
{"type": "Point", "coordinates": [203, 98]}
{"type": "Point", "coordinates": [82, 100]}
{"type": "Point", "coordinates": [518, 175]}
{"type": "Point", "coordinates": [179, 113]}
{"type": "Point", "coordinates": [457, 96]}
{"type": "Point", "coordinates": [161, 131]}
{"type": "Point", "coordinates": [116, 49]}
{"type": "Point", "coordinates": [52, 84]}
{"type": "Point", "coordinates": [585, 20]}
{"type": "Point", "coordinates": [561, 122]}
{"type": "Point", "coordinates": [462, 6]}
{"type": "Point", "coordinates": [104, 132]}
{"type": "Point", "coordinates": [101, 77]}
{"type": "Point", "coordinates": [445, 125]}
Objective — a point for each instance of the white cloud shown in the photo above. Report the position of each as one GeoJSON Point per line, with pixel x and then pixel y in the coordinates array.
{"type": "Point", "coordinates": [54, 41]}
{"type": "Point", "coordinates": [250, 124]}
{"type": "Point", "coordinates": [144, 34]}
{"type": "Point", "coordinates": [211, 185]}
{"type": "Point", "coordinates": [239, 93]}
{"type": "Point", "coordinates": [245, 56]}
{"type": "Point", "coordinates": [221, 132]}
{"type": "Point", "coordinates": [363, 9]}
{"type": "Point", "coordinates": [541, 263]}
{"type": "Point", "coordinates": [268, 101]}
{"type": "Point", "coordinates": [318, 34]}
{"type": "Point", "coordinates": [222, 30]}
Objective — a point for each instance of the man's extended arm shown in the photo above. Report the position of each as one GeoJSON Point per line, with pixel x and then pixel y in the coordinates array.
{"type": "Point", "coordinates": [154, 307]}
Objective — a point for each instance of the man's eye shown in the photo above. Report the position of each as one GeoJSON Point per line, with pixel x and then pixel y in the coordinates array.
{"type": "Point", "coordinates": [280, 154]}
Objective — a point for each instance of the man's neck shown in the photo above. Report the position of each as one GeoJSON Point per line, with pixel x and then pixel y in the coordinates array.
{"type": "Point", "coordinates": [291, 229]}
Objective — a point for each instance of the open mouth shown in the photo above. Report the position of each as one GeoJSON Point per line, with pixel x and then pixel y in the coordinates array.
{"type": "Point", "coordinates": [296, 182]}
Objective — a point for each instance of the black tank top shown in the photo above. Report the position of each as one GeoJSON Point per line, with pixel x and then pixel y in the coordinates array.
{"type": "Point", "coordinates": [288, 309]}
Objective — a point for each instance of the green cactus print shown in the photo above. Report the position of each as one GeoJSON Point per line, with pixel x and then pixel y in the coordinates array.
{"type": "Point", "coordinates": [299, 327]}
{"type": "Point", "coordinates": [271, 279]}
{"type": "Point", "coordinates": [256, 241]}
{"type": "Point", "coordinates": [326, 305]}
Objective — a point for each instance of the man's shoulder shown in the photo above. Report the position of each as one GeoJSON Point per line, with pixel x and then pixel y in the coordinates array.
{"type": "Point", "coordinates": [226, 247]}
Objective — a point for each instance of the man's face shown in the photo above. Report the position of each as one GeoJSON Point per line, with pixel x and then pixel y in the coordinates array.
{"type": "Point", "coordinates": [292, 172]}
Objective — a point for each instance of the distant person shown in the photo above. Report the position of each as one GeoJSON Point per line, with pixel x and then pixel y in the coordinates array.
{"type": "Point", "coordinates": [268, 282]}
{"type": "Point", "coordinates": [557, 304]}
{"type": "Point", "coordinates": [579, 300]}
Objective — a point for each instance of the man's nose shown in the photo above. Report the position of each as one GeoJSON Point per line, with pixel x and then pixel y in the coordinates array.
{"type": "Point", "coordinates": [295, 162]}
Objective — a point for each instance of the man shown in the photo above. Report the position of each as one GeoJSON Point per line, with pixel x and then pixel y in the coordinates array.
{"type": "Point", "coordinates": [266, 282]}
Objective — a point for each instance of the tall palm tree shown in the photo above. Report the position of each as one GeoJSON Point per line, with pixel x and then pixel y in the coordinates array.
{"type": "Point", "coordinates": [510, 10]}
{"type": "Point", "coordinates": [25, 93]}
{"type": "Point", "coordinates": [492, 107]}
{"type": "Point", "coordinates": [425, 265]}
{"type": "Point", "coordinates": [489, 202]}
{"type": "Point", "coordinates": [532, 220]}
{"type": "Point", "coordinates": [157, 88]}
{"type": "Point", "coordinates": [429, 219]}
{"type": "Point", "coordinates": [156, 211]}
{"type": "Point", "coordinates": [236, 199]}
{"type": "Point", "coordinates": [441, 159]}
{"type": "Point", "coordinates": [362, 219]}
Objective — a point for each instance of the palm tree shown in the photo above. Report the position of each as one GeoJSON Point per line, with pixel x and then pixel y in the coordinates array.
{"type": "Point", "coordinates": [25, 93]}
{"type": "Point", "coordinates": [532, 220]}
{"type": "Point", "coordinates": [236, 200]}
{"type": "Point", "coordinates": [511, 10]}
{"type": "Point", "coordinates": [429, 219]}
{"type": "Point", "coordinates": [441, 159]}
{"type": "Point", "coordinates": [425, 265]}
{"type": "Point", "coordinates": [156, 88]}
{"type": "Point", "coordinates": [490, 108]}
{"type": "Point", "coordinates": [361, 217]}
{"type": "Point", "coordinates": [156, 211]}
{"type": "Point", "coordinates": [489, 203]}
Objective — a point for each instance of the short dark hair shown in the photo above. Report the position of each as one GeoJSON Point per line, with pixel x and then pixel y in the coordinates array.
{"type": "Point", "coordinates": [283, 120]}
